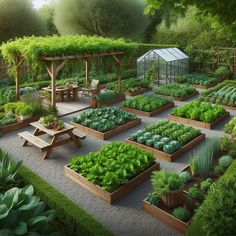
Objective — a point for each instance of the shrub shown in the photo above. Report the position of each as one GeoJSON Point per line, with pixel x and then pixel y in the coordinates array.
{"type": "Point", "coordinates": [216, 216]}
{"type": "Point", "coordinates": [232, 153]}
{"type": "Point", "coordinates": [219, 170]}
{"type": "Point", "coordinates": [196, 194]}
{"type": "Point", "coordinates": [205, 185]}
{"type": "Point", "coordinates": [164, 182]}
{"type": "Point", "coordinates": [222, 71]}
{"type": "Point", "coordinates": [225, 161]}
{"type": "Point", "coordinates": [182, 213]}
{"type": "Point", "coordinates": [186, 176]}
{"type": "Point", "coordinates": [226, 144]}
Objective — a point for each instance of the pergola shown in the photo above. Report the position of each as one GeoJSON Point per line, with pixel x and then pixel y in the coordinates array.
{"type": "Point", "coordinates": [54, 64]}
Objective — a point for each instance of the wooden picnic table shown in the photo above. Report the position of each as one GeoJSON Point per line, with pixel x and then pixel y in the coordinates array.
{"type": "Point", "coordinates": [45, 146]}
{"type": "Point", "coordinates": [71, 92]}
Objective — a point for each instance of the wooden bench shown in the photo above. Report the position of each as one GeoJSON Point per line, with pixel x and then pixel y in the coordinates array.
{"type": "Point", "coordinates": [30, 138]}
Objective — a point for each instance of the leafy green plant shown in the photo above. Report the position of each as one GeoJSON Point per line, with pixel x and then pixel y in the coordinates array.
{"type": "Point", "coordinates": [146, 103]}
{"type": "Point", "coordinates": [196, 194]}
{"type": "Point", "coordinates": [224, 94]}
{"type": "Point", "coordinates": [230, 128]}
{"type": "Point", "coordinates": [225, 161]}
{"type": "Point", "coordinates": [24, 214]}
{"type": "Point", "coordinates": [175, 90]}
{"type": "Point", "coordinates": [206, 184]}
{"type": "Point", "coordinates": [114, 165]}
{"type": "Point", "coordinates": [232, 153]}
{"type": "Point", "coordinates": [186, 176]}
{"type": "Point", "coordinates": [8, 119]}
{"type": "Point", "coordinates": [164, 182]}
{"type": "Point", "coordinates": [104, 119]}
{"type": "Point", "coordinates": [153, 199]}
{"type": "Point", "coordinates": [226, 144]}
{"type": "Point", "coordinates": [200, 111]}
{"type": "Point", "coordinates": [219, 170]}
{"type": "Point", "coordinates": [8, 171]}
{"type": "Point", "coordinates": [182, 213]}
{"type": "Point", "coordinates": [197, 79]}
{"type": "Point", "coordinates": [106, 96]}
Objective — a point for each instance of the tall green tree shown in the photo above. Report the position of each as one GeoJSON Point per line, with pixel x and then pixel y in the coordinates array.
{"type": "Point", "coordinates": [109, 18]}
{"type": "Point", "coordinates": [18, 18]}
{"type": "Point", "coordinates": [47, 12]}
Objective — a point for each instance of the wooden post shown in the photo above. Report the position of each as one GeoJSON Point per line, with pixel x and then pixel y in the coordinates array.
{"type": "Point", "coordinates": [53, 82]}
{"type": "Point", "coordinates": [87, 71]}
{"type": "Point", "coordinates": [120, 76]}
{"type": "Point", "coordinates": [18, 82]}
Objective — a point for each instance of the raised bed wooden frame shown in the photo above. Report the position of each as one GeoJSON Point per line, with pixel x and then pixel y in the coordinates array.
{"type": "Point", "coordinates": [115, 100]}
{"type": "Point", "coordinates": [149, 114]}
{"type": "Point", "coordinates": [198, 86]}
{"type": "Point", "coordinates": [18, 125]}
{"type": "Point", "coordinates": [165, 217]}
{"type": "Point", "coordinates": [180, 99]}
{"type": "Point", "coordinates": [175, 155]}
{"type": "Point", "coordinates": [138, 92]}
{"type": "Point", "coordinates": [117, 194]}
{"type": "Point", "coordinates": [198, 123]}
{"type": "Point", "coordinates": [110, 133]}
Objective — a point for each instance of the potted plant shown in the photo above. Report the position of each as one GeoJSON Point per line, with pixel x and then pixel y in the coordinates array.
{"type": "Point", "coordinates": [168, 187]}
{"type": "Point", "coordinates": [222, 73]}
{"type": "Point", "coordinates": [47, 121]}
{"type": "Point", "coordinates": [94, 102]}
{"type": "Point", "coordinates": [59, 125]}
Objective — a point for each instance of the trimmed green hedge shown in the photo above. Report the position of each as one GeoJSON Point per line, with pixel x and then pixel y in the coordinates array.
{"type": "Point", "coordinates": [75, 219]}
{"type": "Point", "coordinates": [217, 215]}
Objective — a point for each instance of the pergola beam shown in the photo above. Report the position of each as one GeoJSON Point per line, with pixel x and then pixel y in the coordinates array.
{"type": "Point", "coordinates": [119, 61]}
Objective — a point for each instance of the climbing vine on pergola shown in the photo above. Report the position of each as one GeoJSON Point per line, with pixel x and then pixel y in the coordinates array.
{"type": "Point", "coordinates": [52, 53]}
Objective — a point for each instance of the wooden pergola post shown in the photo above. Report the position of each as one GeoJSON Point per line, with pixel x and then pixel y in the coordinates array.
{"type": "Point", "coordinates": [119, 61]}
{"type": "Point", "coordinates": [53, 82]}
{"type": "Point", "coordinates": [18, 67]}
{"type": "Point", "coordinates": [87, 70]}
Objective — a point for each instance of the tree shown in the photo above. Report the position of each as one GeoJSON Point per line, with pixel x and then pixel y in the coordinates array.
{"type": "Point", "coordinates": [225, 12]}
{"type": "Point", "coordinates": [109, 18]}
{"type": "Point", "coordinates": [47, 12]}
{"type": "Point", "coordinates": [18, 18]}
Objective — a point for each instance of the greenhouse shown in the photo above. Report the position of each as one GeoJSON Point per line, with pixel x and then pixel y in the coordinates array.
{"type": "Point", "coordinates": [163, 64]}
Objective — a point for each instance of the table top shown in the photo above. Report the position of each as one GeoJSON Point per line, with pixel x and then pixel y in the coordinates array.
{"type": "Point", "coordinates": [52, 132]}
{"type": "Point", "coordinates": [60, 89]}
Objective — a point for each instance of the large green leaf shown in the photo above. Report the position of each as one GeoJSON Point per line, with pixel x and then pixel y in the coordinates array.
{"type": "Point", "coordinates": [21, 228]}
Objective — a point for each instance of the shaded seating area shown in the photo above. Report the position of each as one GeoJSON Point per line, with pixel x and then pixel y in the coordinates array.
{"type": "Point", "coordinates": [92, 90]}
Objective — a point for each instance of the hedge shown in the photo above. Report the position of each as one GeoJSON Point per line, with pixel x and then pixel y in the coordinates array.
{"type": "Point", "coordinates": [75, 219]}
{"type": "Point", "coordinates": [217, 215]}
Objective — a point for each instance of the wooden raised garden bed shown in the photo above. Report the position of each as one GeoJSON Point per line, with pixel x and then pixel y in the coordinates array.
{"type": "Point", "coordinates": [18, 125]}
{"type": "Point", "coordinates": [149, 114]}
{"type": "Point", "coordinates": [166, 217]}
{"type": "Point", "coordinates": [198, 123]}
{"type": "Point", "coordinates": [173, 156]}
{"type": "Point", "coordinates": [139, 91]}
{"type": "Point", "coordinates": [110, 133]}
{"type": "Point", "coordinates": [230, 108]}
{"type": "Point", "coordinates": [117, 194]}
{"type": "Point", "coordinates": [179, 98]}
{"type": "Point", "coordinates": [121, 98]}
{"type": "Point", "coordinates": [204, 86]}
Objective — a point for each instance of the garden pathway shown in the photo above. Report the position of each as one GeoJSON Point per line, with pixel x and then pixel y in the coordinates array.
{"type": "Point", "coordinates": [126, 217]}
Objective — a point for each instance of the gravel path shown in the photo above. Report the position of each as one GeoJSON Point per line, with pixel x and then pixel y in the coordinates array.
{"type": "Point", "coordinates": [125, 217]}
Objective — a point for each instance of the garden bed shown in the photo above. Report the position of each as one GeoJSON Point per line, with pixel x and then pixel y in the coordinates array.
{"type": "Point", "coordinates": [138, 92]}
{"type": "Point", "coordinates": [112, 171]}
{"type": "Point", "coordinates": [110, 133]}
{"type": "Point", "coordinates": [204, 86]}
{"type": "Point", "coordinates": [171, 157]}
{"type": "Point", "coordinates": [18, 125]}
{"type": "Point", "coordinates": [198, 123]}
{"type": "Point", "coordinates": [148, 114]}
{"type": "Point", "coordinates": [117, 194]}
{"type": "Point", "coordinates": [121, 98]}
{"type": "Point", "coordinates": [161, 213]}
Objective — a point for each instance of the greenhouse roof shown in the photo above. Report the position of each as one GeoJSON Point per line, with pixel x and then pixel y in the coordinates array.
{"type": "Point", "coordinates": [167, 54]}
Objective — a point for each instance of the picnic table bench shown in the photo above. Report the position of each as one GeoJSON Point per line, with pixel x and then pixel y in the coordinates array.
{"type": "Point", "coordinates": [45, 146]}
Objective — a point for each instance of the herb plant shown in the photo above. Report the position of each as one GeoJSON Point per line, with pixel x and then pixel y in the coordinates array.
{"type": "Point", "coordinates": [182, 213]}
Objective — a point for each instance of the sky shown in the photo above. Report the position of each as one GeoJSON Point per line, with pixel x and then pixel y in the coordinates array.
{"type": "Point", "coordinates": [39, 3]}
